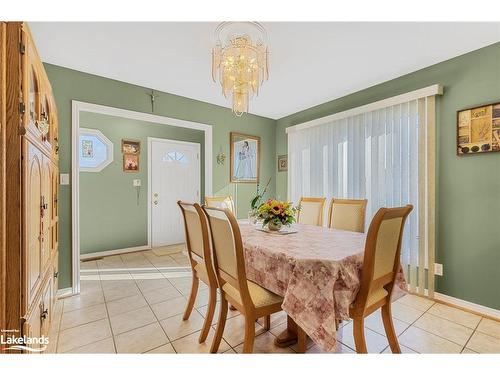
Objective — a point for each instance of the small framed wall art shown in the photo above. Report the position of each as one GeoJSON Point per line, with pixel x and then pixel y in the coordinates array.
{"type": "Point", "coordinates": [131, 162]}
{"type": "Point", "coordinates": [478, 130]}
{"type": "Point", "coordinates": [282, 163]}
{"type": "Point", "coordinates": [131, 146]}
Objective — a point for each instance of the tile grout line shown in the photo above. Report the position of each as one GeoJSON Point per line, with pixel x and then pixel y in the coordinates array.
{"type": "Point", "coordinates": [473, 332]}
{"type": "Point", "coordinates": [412, 325]}
{"type": "Point", "coordinates": [178, 289]}
{"type": "Point", "coordinates": [107, 317]}
{"type": "Point", "coordinates": [149, 305]}
{"type": "Point", "coordinates": [463, 325]}
{"type": "Point", "coordinates": [59, 332]}
{"type": "Point", "coordinates": [194, 307]}
{"type": "Point", "coordinates": [444, 338]}
{"type": "Point", "coordinates": [59, 326]}
{"type": "Point", "coordinates": [107, 313]}
{"type": "Point", "coordinates": [454, 342]}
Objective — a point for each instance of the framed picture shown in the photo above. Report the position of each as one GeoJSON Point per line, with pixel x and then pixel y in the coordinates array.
{"type": "Point", "coordinates": [245, 158]}
{"type": "Point", "coordinates": [131, 146]}
{"type": "Point", "coordinates": [130, 163]}
{"type": "Point", "coordinates": [478, 129]}
{"type": "Point", "coordinates": [282, 163]}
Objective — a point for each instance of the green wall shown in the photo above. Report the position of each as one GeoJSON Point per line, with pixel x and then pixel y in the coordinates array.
{"type": "Point", "coordinates": [111, 217]}
{"type": "Point", "coordinates": [467, 187]}
{"type": "Point", "coordinates": [467, 191]}
{"type": "Point", "coordinates": [71, 85]}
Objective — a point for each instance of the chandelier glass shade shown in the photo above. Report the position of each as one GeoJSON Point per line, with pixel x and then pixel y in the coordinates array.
{"type": "Point", "coordinates": [240, 61]}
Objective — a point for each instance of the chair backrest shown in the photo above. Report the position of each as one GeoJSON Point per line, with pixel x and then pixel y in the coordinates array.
{"type": "Point", "coordinates": [197, 236]}
{"type": "Point", "coordinates": [228, 255]}
{"type": "Point", "coordinates": [347, 214]}
{"type": "Point", "coordinates": [311, 211]}
{"type": "Point", "coordinates": [381, 257]}
{"type": "Point", "coordinates": [221, 202]}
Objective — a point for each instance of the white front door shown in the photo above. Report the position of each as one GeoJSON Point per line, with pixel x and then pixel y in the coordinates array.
{"type": "Point", "coordinates": [175, 175]}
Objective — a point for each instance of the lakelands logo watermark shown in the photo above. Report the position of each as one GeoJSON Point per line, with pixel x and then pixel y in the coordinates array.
{"type": "Point", "coordinates": [13, 342]}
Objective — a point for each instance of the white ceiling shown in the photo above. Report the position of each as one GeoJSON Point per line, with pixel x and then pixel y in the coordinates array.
{"type": "Point", "coordinates": [311, 63]}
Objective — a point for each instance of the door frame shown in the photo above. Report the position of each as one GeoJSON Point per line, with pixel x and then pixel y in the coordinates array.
{"type": "Point", "coordinates": [164, 140]}
{"type": "Point", "coordinates": [79, 106]}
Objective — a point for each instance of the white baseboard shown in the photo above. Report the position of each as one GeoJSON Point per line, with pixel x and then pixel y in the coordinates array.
{"type": "Point", "coordinates": [473, 307]}
{"type": "Point", "coordinates": [114, 252]}
{"type": "Point", "coordinates": [63, 293]}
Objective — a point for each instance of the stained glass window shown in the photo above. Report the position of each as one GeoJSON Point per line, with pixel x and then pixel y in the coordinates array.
{"type": "Point", "coordinates": [96, 151]}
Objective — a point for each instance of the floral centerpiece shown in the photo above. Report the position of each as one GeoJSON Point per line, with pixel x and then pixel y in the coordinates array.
{"type": "Point", "coordinates": [257, 201]}
{"type": "Point", "coordinates": [275, 214]}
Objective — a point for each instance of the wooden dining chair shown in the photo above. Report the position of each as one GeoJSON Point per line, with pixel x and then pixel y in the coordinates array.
{"type": "Point", "coordinates": [200, 258]}
{"type": "Point", "coordinates": [311, 211]}
{"type": "Point", "coordinates": [347, 214]}
{"type": "Point", "coordinates": [221, 202]}
{"type": "Point", "coordinates": [249, 298]}
{"type": "Point", "coordinates": [380, 267]}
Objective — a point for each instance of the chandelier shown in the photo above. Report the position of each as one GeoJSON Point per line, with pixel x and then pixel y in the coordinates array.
{"type": "Point", "coordinates": [240, 61]}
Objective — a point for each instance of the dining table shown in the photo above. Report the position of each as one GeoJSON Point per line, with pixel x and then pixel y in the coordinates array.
{"type": "Point", "coordinates": [317, 271]}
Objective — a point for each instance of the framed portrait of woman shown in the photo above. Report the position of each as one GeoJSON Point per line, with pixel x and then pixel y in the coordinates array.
{"type": "Point", "coordinates": [245, 158]}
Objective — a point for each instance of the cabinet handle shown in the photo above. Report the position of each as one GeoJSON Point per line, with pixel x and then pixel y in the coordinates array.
{"type": "Point", "coordinates": [43, 207]}
{"type": "Point", "coordinates": [44, 314]}
{"type": "Point", "coordinates": [56, 274]}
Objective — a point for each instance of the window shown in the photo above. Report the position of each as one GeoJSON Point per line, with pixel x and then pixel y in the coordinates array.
{"type": "Point", "coordinates": [95, 150]}
{"type": "Point", "coordinates": [383, 152]}
{"type": "Point", "coordinates": [175, 156]}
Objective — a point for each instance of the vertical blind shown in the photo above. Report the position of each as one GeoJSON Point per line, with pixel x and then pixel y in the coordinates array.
{"type": "Point", "coordinates": [384, 155]}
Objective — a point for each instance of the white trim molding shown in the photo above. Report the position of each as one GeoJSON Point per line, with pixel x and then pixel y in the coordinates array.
{"type": "Point", "coordinates": [76, 108]}
{"type": "Point", "coordinates": [395, 100]}
{"type": "Point", "coordinates": [106, 253]}
{"type": "Point", "coordinates": [64, 293]}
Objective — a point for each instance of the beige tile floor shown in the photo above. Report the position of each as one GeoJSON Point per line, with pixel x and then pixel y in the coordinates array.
{"type": "Point", "coordinates": [133, 303]}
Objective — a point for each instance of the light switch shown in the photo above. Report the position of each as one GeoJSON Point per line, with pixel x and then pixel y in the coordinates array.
{"type": "Point", "coordinates": [64, 179]}
{"type": "Point", "coordinates": [137, 182]}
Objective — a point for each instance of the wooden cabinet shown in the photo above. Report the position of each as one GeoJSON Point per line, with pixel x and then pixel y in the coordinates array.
{"type": "Point", "coordinates": [29, 210]}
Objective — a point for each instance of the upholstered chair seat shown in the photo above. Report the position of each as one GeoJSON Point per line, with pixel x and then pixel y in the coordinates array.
{"type": "Point", "coordinates": [259, 296]}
